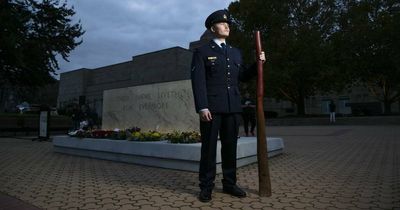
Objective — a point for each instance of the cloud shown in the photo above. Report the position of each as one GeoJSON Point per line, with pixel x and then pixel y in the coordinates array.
{"type": "Point", "coordinates": [118, 30]}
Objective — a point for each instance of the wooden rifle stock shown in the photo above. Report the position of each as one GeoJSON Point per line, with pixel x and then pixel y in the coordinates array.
{"type": "Point", "coordinates": [264, 188]}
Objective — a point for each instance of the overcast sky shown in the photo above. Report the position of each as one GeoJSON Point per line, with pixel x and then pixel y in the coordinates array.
{"type": "Point", "coordinates": [116, 30]}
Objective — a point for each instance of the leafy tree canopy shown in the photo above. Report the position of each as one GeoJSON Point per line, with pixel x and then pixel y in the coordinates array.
{"type": "Point", "coordinates": [370, 41]}
{"type": "Point", "coordinates": [296, 36]}
{"type": "Point", "coordinates": [323, 45]}
{"type": "Point", "coordinates": [32, 34]}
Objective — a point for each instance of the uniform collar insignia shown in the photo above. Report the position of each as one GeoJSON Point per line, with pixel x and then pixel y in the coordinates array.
{"type": "Point", "coordinates": [217, 48]}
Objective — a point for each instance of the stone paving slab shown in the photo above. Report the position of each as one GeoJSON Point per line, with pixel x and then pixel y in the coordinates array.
{"type": "Point", "coordinates": [323, 167]}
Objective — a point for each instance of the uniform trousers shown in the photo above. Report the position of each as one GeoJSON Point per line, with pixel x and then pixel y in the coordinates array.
{"type": "Point", "coordinates": [226, 125]}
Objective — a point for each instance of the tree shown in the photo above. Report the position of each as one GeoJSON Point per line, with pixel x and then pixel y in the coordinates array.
{"type": "Point", "coordinates": [369, 39]}
{"type": "Point", "coordinates": [32, 34]}
{"type": "Point", "coordinates": [297, 36]}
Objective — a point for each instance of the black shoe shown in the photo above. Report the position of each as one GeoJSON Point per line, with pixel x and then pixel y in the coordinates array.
{"type": "Point", "coordinates": [234, 191]}
{"type": "Point", "coordinates": [205, 195]}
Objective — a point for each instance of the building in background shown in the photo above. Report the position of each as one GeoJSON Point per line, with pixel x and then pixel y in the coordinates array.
{"type": "Point", "coordinates": [86, 86]}
{"type": "Point", "coordinates": [12, 96]}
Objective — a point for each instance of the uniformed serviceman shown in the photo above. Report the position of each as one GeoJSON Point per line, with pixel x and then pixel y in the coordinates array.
{"type": "Point", "coordinates": [216, 70]}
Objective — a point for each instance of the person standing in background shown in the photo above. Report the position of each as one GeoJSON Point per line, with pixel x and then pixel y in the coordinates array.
{"type": "Point", "coordinates": [332, 110]}
{"type": "Point", "coordinates": [249, 114]}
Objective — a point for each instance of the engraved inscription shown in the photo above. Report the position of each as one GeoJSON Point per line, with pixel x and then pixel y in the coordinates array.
{"type": "Point", "coordinates": [166, 106]}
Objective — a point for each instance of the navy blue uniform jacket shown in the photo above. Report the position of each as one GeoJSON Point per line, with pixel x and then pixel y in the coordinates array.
{"type": "Point", "coordinates": [215, 78]}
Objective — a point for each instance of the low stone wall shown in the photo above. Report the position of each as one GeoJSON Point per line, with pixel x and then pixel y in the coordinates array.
{"type": "Point", "coordinates": [159, 154]}
{"type": "Point", "coordinates": [12, 125]}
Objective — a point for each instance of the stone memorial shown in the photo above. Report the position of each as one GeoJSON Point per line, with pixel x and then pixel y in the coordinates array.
{"type": "Point", "coordinates": [160, 154]}
{"type": "Point", "coordinates": [163, 107]}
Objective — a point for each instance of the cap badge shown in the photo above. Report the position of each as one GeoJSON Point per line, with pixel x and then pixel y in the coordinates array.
{"type": "Point", "coordinates": [225, 17]}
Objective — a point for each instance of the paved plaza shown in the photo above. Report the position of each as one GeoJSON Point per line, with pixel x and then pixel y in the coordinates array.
{"type": "Point", "coordinates": [323, 167]}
